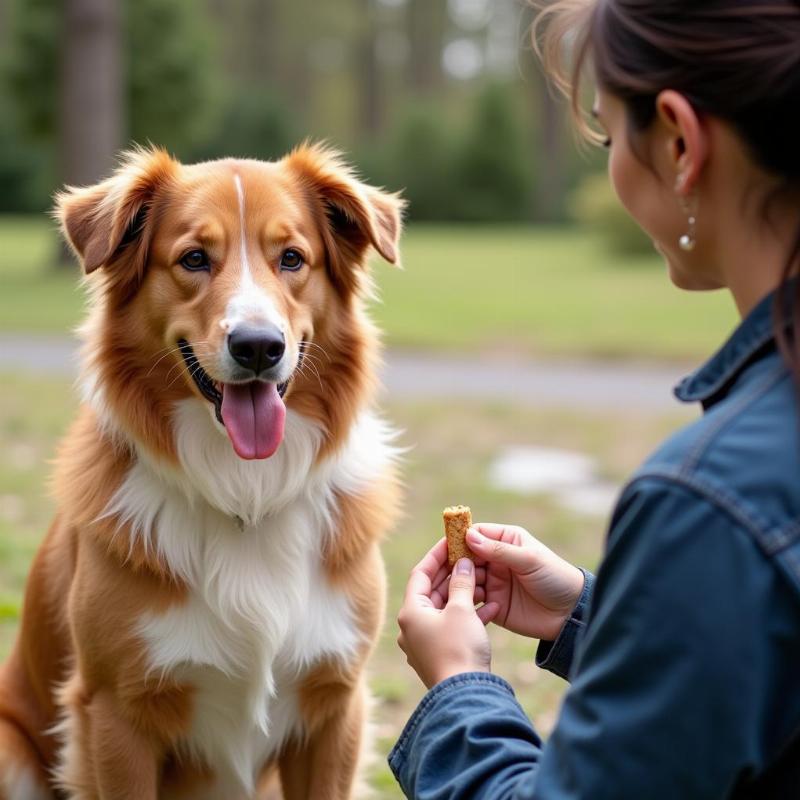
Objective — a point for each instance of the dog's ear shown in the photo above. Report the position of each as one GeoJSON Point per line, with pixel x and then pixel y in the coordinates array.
{"type": "Point", "coordinates": [355, 215]}
{"type": "Point", "coordinates": [109, 222]}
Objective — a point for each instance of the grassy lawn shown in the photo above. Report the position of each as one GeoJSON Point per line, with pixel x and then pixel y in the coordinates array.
{"type": "Point", "coordinates": [542, 291]}
{"type": "Point", "coordinates": [33, 413]}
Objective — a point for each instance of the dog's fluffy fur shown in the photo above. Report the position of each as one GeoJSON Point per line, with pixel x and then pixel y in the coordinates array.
{"type": "Point", "coordinates": [195, 622]}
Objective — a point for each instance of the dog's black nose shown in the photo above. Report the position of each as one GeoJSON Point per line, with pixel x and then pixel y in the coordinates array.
{"type": "Point", "coordinates": [257, 348]}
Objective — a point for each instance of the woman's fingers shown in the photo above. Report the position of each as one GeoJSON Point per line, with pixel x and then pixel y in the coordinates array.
{"type": "Point", "coordinates": [513, 534]}
{"type": "Point", "coordinates": [421, 580]}
{"type": "Point", "coordinates": [519, 558]}
{"type": "Point", "coordinates": [439, 596]}
{"type": "Point", "coordinates": [488, 612]}
{"type": "Point", "coordinates": [440, 580]}
{"type": "Point", "coordinates": [440, 592]}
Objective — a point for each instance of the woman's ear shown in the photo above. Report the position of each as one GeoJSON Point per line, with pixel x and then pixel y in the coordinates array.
{"type": "Point", "coordinates": [108, 222]}
{"type": "Point", "coordinates": [353, 215]}
{"type": "Point", "coordinates": [687, 139]}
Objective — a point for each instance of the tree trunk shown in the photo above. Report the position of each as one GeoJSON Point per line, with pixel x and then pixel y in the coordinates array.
{"type": "Point", "coordinates": [368, 70]}
{"type": "Point", "coordinates": [253, 37]}
{"type": "Point", "coordinates": [91, 92]}
{"type": "Point", "coordinates": [91, 126]}
{"type": "Point", "coordinates": [551, 166]}
{"type": "Point", "coordinates": [264, 42]}
{"type": "Point", "coordinates": [3, 25]}
{"type": "Point", "coordinates": [426, 22]}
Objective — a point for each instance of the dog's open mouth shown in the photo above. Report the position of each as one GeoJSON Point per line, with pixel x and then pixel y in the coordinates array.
{"type": "Point", "coordinates": [253, 413]}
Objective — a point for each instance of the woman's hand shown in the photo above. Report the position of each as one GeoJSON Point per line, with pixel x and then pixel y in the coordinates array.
{"type": "Point", "coordinates": [534, 589]}
{"type": "Point", "coordinates": [441, 632]}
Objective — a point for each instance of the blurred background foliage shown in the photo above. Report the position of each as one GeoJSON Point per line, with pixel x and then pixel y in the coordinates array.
{"type": "Point", "coordinates": [440, 97]}
{"type": "Point", "coordinates": [595, 207]}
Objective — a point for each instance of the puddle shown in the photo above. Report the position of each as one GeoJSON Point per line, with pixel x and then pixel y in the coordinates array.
{"type": "Point", "coordinates": [569, 477]}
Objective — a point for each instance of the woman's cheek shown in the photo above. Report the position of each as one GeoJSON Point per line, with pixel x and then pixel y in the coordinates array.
{"type": "Point", "coordinates": [657, 212]}
{"type": "Point", "coordinates": [627, 184]}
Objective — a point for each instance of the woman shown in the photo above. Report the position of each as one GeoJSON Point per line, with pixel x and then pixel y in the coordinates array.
{"type": "Point", "coordinates": [684, 658]}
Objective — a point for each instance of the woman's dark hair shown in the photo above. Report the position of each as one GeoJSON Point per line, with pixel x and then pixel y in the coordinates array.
{"type": "Point", "coordinates": [738, 60]}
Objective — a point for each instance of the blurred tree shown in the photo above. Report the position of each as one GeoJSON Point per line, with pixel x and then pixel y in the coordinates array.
{"type": "Point", "coordinates": [256, 28]}
{"type": "Point", "coordinates": [3, 24]}
{"type": "Point", "coordinates": [594, 206]}
{"type": "Point", "coordinates": [368, 72]}
{"type": "Point", "coordinates": [22, 167]}
{"type": "Point", "coordinates": [173, 96]}
{"type": "Point", "coordinates": [31, 65]}
{"type": "Point", "coordinates": [426, 25]}
{"type": "Point", "coordinates": [552, 177]}
{"type": "Point", "coordinates": [419, 161]}
{"type": "Point", "coordinates": [21, 157]}
{"type": "Point", "coordinates": [491, 178]}
{"type": "Point", "coordinates": [550, 139]}
{"type": "Point", "coordinates": [165, 73]}
{"type": "Point", "coordinates": [90, 87]}
{"type": "Point", "coordinates": [302, 53]}
{"type": "Point", "coordinates": [252, 125]}
{"type": "Point", "coordinates": [252, 77]}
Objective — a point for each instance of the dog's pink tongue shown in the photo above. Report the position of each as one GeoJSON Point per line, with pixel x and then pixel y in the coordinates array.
{"type": "Point", "coordinates": [254, 416]}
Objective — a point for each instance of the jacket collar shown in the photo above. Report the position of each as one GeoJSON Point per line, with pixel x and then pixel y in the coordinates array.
{"type": "Point", "coordinates": [754, 336]}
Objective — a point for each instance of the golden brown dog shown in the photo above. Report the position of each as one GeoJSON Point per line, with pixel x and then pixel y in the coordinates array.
{"type": "Point", "coordinates": [202, 608]}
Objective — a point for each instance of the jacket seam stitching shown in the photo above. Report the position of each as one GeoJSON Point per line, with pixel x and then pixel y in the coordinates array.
{"type": "Point", "coordinates": [734, 369]}
{"type": "Point", "coordinates": [696, 453]}
{"type": "Point", "coordinates": [727, 503]}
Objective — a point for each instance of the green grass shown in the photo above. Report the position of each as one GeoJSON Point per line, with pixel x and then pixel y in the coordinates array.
{"type": "Point", "coordinates": [551, 291]}
{"type": "Point", "coordinates": [35, 296]}
{"type": "Point", "coordinates": [34, 412]}
{"type": "Point", "coordinates": [537, 291]}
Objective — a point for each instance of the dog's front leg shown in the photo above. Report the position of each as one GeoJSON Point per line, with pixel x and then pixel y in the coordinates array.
{"type": "Point", "coordinates": [104, 756]}
{"type": "Point", "coordinates": [325, 765]}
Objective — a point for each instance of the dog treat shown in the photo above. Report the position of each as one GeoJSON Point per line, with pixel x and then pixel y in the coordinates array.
{"type": "Point", "coordinates": [457, 520]}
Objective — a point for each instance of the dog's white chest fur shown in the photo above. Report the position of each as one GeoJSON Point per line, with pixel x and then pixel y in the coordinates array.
{"type": "Point", "coordinates": [246, 539]}
{"type": "Point", "coordinates": [261, 617]}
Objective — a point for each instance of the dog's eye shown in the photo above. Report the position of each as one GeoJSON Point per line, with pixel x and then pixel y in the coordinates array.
{"type": "Point", "coordinates": [291, 260]}
{"type": "Point", "coordinates": [195, 260]}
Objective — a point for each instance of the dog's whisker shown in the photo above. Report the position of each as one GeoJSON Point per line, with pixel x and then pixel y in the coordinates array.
{"type": "Point", "coordinates": [318, 347]}
{"type": "Point", "coordinates": [173, 350]}
{"type": "Point", "coordinates": [308, 343]}
{"type": "Point", "coordinates": [311, 360]}
{"type": "Point", "coordinates": [178, 374]}
{"type": "Point", "coordinates": [313, 366]}
{"type": "Point", "coordinates": [159, 360]}
{"type": "Point", "coordinates": [302, 372]}
{"type": "Point", "coordinates": [312, 357]}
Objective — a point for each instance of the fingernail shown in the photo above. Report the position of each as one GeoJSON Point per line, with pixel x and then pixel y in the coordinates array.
{"type": "Point", "coordinates": [464, 566]}
{"type": "Point", "coordinates": [474, 536]}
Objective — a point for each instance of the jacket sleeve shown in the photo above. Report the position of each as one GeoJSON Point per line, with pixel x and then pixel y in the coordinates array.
{"type": "Point", "coordinates": [558, 656]}
{"type": "Point", "coordinates": [668, 691]}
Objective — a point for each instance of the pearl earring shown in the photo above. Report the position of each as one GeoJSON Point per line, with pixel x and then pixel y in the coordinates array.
{"type": "Point", "coordinates": [688, 241]}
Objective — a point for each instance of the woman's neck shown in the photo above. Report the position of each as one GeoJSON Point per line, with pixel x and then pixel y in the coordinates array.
{"type": "Point", "coordinates": [753, 246]}
{"type": "Point", "coordinates": [755, 263]}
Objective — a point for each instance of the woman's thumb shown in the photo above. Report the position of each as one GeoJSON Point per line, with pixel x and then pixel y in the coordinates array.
{"type": "Point", "coordinates": [462, 583]}
{"type": "Point", "coordinates": [517, 558]}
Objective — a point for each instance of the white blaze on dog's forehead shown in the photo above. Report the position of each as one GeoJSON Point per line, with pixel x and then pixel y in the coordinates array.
{"type": "Point", "coordinates": [249, 303]}
{"type": "Point", "coordinates": [245, 264]}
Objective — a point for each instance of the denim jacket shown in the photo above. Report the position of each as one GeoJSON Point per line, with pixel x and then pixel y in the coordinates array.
{"type": "Point", "coordinates": [684, 655]}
